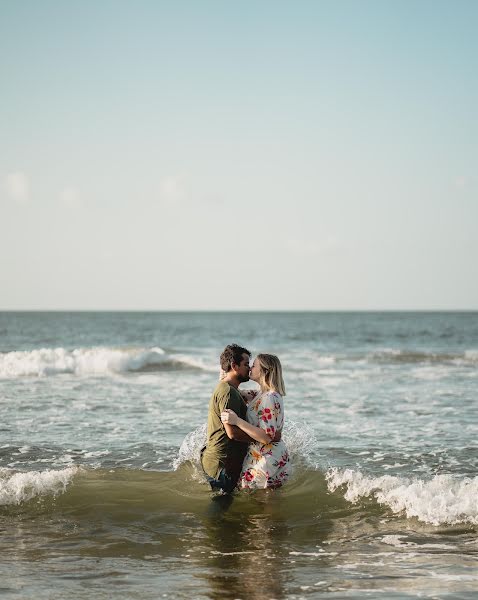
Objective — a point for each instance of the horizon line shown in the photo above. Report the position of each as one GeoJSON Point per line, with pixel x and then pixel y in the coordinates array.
{"type": "Point", "coordinates": [238, 310]}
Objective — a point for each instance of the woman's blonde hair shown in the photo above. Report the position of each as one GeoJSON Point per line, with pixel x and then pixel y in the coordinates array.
{"type": "Point", "coordinates": [271, 373]}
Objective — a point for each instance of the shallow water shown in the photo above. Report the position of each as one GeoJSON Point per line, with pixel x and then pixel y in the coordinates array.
{"type": "Point", "coordinates": [102, 417]}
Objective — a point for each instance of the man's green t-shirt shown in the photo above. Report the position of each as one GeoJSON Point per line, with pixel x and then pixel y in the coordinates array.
{"type": "Point", "coordinates": [222, 452]}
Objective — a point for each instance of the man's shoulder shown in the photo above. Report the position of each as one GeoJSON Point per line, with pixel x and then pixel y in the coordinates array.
{"type": "Point", "coordinates": [222, 388]}
{"type": "Point", "coordinates": [226, 394]}
{"type": "Point", "coordinates": [221, 393]}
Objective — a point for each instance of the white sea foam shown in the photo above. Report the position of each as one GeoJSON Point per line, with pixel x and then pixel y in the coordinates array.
{"type": "Point", "coordinates": [190, 449]}
{"type": "Point", "coordinates": [320, 553]}
{"type": "Point", "coordinates": [324, 361]}
{"type": "Point", "coordinates": [21, 487]}
{"type": "Point", "coordinates": [302, 445]}
{"type": "Point", "coordinates": [84, 361]}
{"type": "Point", "coordinates": [471, 355]}
{"type": "Point", "coordinates": [441, 500]}
{"type": "Point", "coordinates": [396, 540]}
{"type": "Point", "coordinates": [298, 437]}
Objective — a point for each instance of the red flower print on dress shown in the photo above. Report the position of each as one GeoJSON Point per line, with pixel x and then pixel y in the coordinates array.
{"type": "Point", "coordinates": [266, 465]}
{"type": "Point", "coordinates": [248, 476]}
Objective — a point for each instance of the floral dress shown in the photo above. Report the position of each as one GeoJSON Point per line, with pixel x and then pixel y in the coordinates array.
{"type": "Point", "coordinates": [265, 465]}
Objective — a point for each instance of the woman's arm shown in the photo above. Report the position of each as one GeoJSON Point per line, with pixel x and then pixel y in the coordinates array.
{"type": "Point", "coordinates": [235, 433]}
{"type": "Point", "coordinates": [256, 433]}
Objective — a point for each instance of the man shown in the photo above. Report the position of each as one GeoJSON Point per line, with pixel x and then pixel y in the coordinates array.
{"type": "Point", "coordinates": [226, 444]}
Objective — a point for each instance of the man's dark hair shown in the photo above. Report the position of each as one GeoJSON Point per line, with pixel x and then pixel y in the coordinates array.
{"type": "Point", "coordinates": [232, 354]}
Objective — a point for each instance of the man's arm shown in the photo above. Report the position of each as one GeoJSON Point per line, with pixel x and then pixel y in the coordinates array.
{"type": "Point", "coordinates": [232, 431]}
{"type": "Point", "coordinates": [257, 433]}
{"type": "Point", "coordinates": [235, 433]}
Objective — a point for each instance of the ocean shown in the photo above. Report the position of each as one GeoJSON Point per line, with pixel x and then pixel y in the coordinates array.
{"type": "Point", "coordinates": [102, 416]}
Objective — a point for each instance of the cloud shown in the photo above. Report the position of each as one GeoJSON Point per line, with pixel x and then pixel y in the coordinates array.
{"type": "Point", "coordinates": [17, 186]}
{"type": "Point", "coordinates": [70, 197]}
{"type": "Point", "coordinates": [460, 182]}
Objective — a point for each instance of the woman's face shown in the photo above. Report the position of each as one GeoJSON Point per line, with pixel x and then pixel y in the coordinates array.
{"type": "Point", "coordinates": [255, 372]}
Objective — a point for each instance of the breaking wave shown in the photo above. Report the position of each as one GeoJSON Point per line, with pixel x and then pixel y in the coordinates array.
{"type": "Point", "coordinates": [442, 500]}
{"type": "Point", "coordinates": [16, 488]}
{"type": "Point", "coordinates": [88, 361]}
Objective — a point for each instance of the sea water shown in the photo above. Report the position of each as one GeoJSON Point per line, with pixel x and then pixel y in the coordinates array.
{"type": "Point", "coordinates": [102, 416]}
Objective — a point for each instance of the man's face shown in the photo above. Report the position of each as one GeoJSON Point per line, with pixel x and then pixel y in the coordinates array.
{"type": "Point", "coordinates": [242, 369]}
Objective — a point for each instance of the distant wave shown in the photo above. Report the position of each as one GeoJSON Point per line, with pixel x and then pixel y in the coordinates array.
{"type": "Point", "coordinates": [416, 356]}
{"type": "Point", "coordinates": [441, 500]}
{"type": "Point", "coordinates": [107, 360]}
{"type": "Point", "coordinates": [99, 360]}
{"type": "Point", "coordinates": [397, 356]}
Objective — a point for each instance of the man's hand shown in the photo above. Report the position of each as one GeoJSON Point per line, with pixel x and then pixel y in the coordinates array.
{"type": "Point", "coordinates": [229, 416]}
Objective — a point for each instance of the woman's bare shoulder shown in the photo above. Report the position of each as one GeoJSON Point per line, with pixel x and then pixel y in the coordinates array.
{"type": "Point", "coordinates": [248, 395]}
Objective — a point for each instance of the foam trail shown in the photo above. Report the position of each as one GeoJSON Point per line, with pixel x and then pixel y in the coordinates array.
{"type": "Point", "coordinates": [16, 488]}
{"type": "Point", "coordinates": [442, 500]}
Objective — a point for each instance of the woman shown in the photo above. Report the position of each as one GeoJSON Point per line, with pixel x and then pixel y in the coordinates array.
{"type": "Point", "coordinates": [266, 464]}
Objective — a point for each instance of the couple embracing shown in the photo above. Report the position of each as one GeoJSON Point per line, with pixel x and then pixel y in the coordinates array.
{"type": "Point", "coordinates": [244, 446]}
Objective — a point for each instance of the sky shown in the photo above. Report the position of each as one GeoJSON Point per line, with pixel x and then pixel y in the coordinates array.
{"type": "Point", "coordinates": [213, 155]}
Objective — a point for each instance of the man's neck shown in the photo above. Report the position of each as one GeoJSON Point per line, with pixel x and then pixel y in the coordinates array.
{"type": "Point", "coordinates": [232, 380]}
